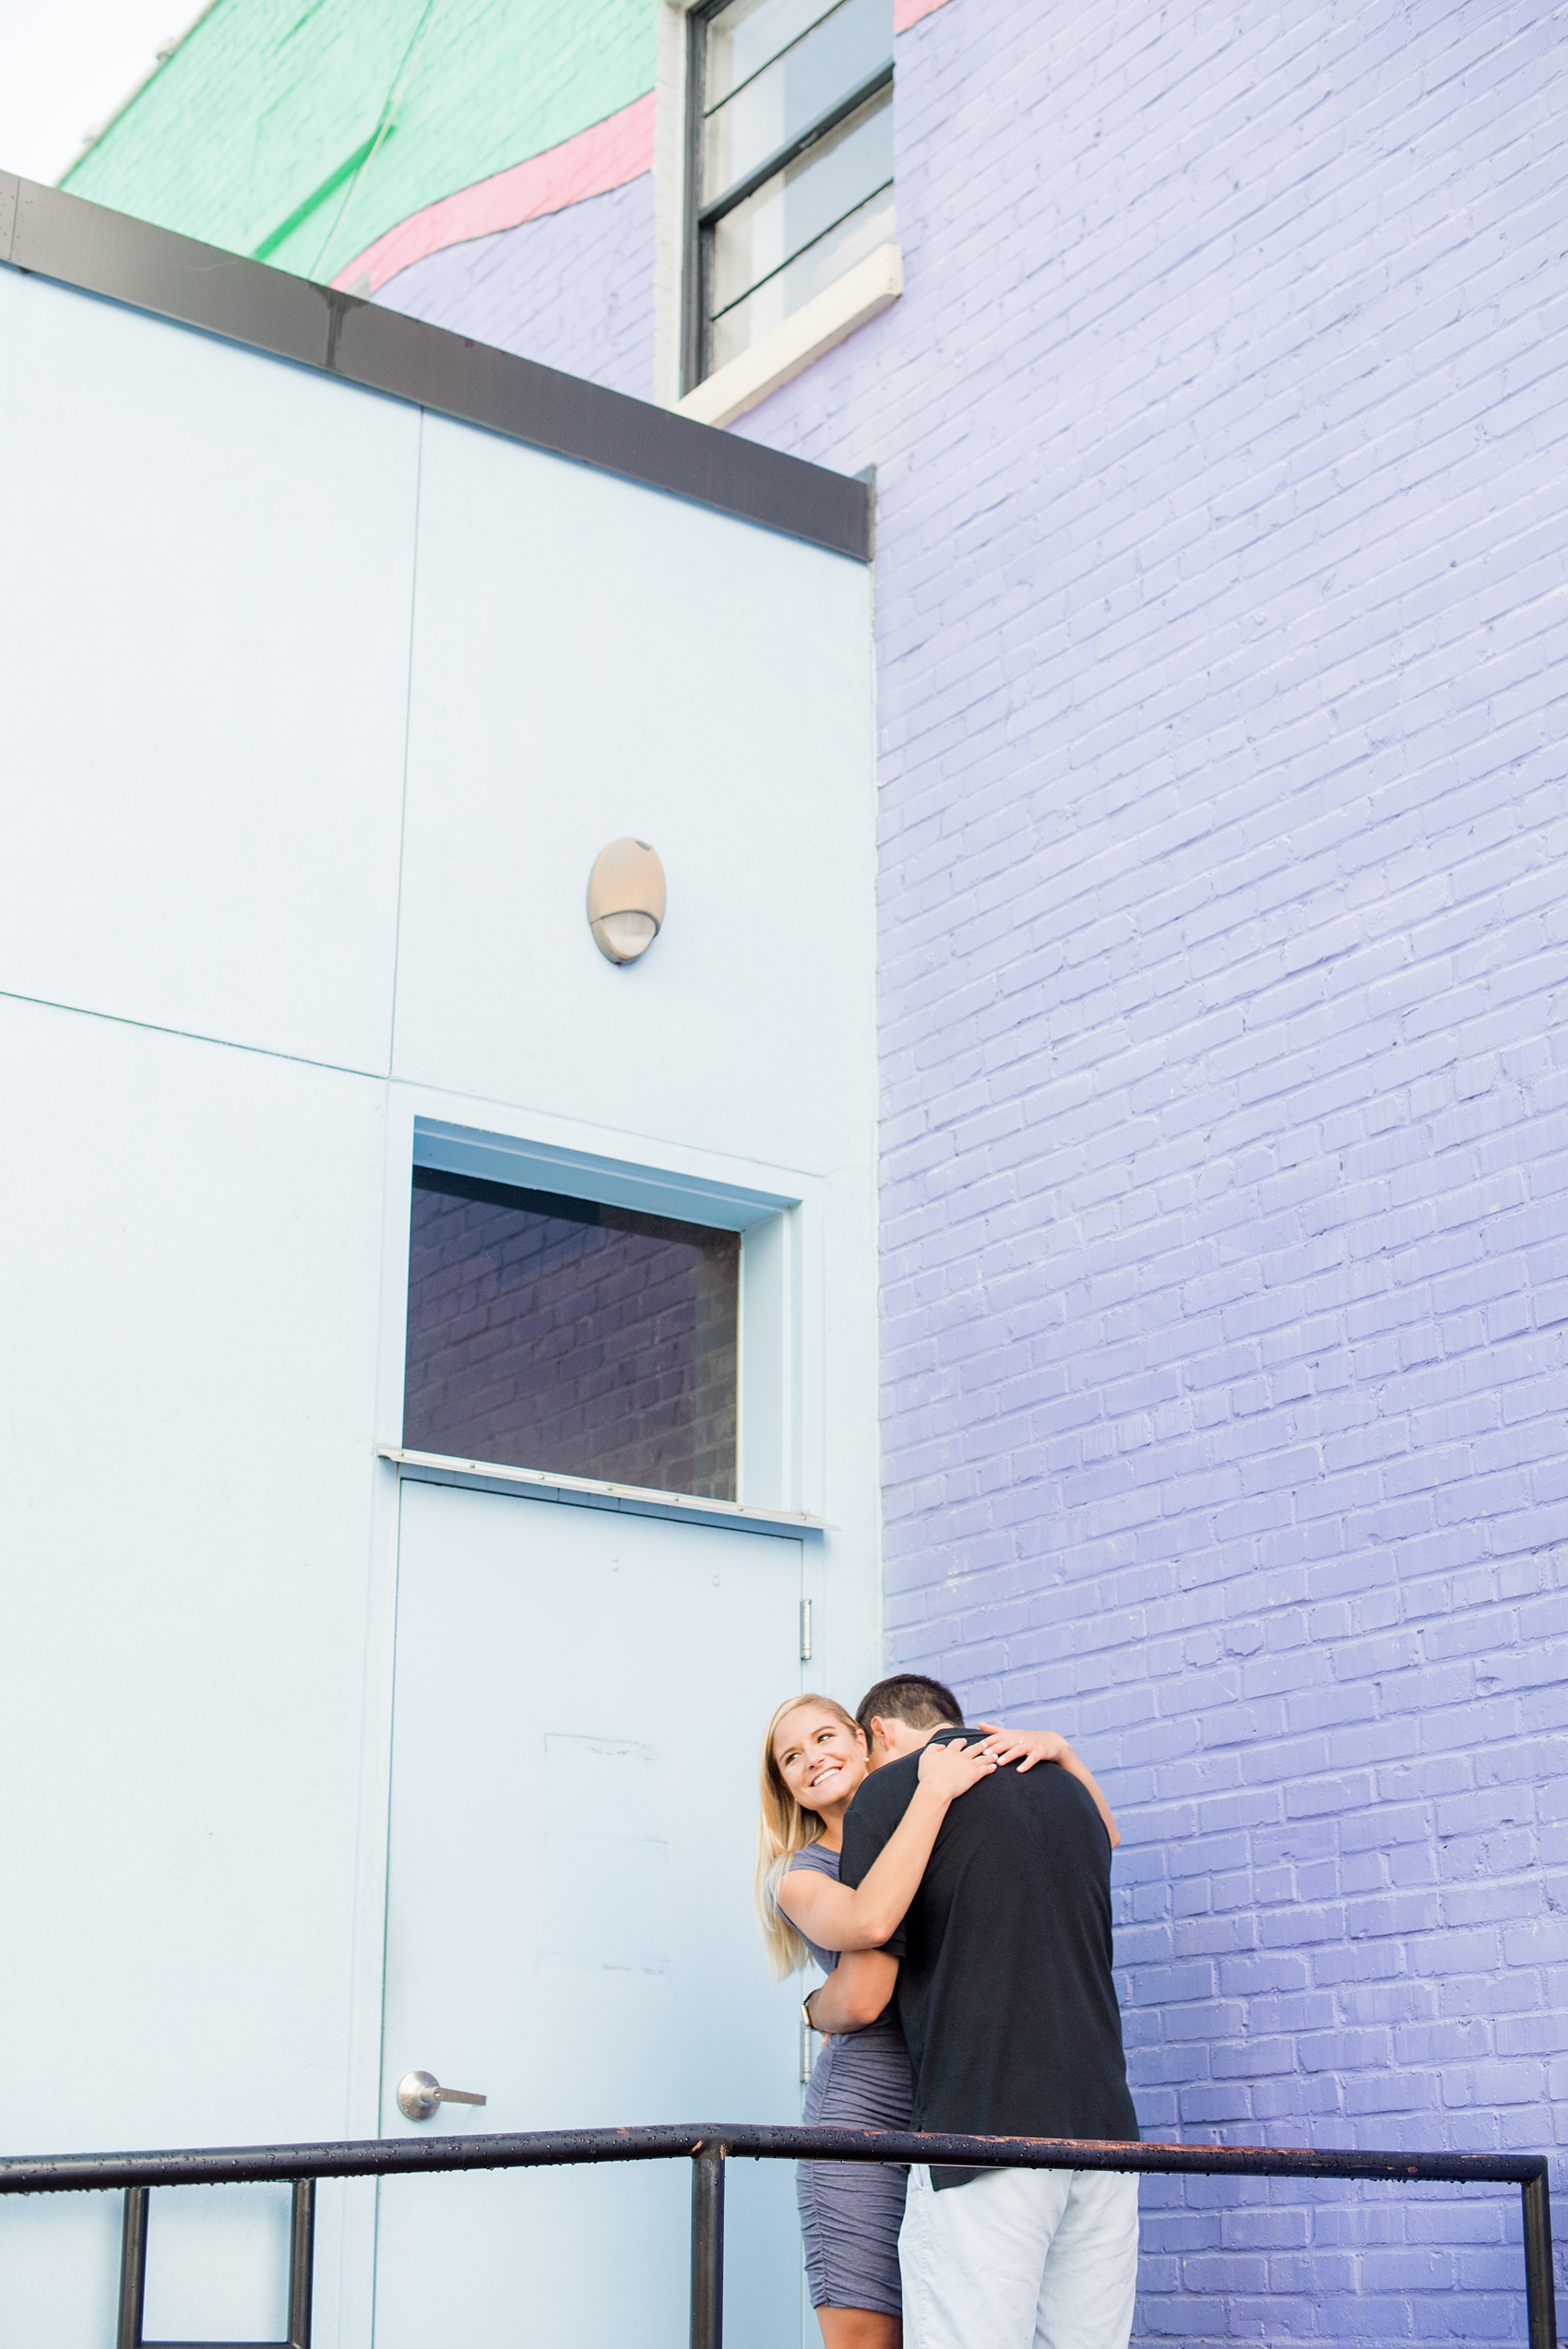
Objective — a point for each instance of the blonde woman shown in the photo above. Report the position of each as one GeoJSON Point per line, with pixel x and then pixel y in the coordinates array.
{"type": "Point", "coordinates": [814, 1761]}
{"type": "Point", "coordinates": [812, 1765]}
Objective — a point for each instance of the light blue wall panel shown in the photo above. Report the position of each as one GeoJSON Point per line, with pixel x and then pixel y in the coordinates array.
{"type": "Point", "coordinates": [592, 658]}
{"type": "Point", "coordinates": [188, 1426]}
{"type": "Point", "coordinates": [202, 680]}
{"type": "Point", "coordinates": [189, 1292]}
{"type": "Point", "coordinates": [206, 687]}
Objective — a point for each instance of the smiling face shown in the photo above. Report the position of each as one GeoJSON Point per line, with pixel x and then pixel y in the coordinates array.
{"type": "Point", "coordinates": [821, 1759]}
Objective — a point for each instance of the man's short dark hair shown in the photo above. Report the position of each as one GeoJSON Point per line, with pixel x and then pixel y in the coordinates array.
{"type": "Point", "coordinates": [910, 1697]}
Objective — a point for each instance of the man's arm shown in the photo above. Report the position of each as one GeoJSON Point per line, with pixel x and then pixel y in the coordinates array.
{"type": "Point", "coordinates": [863, 1916]}
{"type": "Point", "coordinates": [855, 1992]}
{"type": "Point", "coordinates": [870, 1821]}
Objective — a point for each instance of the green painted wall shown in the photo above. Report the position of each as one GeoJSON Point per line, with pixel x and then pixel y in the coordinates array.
{"type": "Point", "coordinates": [299, 130]}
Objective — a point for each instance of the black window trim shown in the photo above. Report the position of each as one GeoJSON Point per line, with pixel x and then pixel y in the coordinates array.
{"type": "Point", "coordinates": [701, 218]}
{"type": "Point", "coordinates": [799, 254]}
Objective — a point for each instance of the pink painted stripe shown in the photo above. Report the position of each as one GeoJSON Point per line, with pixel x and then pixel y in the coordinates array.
{"type": "Point", "coordinates": [605, 156]}
{"type": "Point", "coordinates": [909, 12]}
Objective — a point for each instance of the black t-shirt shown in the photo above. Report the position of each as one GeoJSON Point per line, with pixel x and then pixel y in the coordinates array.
{"type": "Point", "coordinates": [1004, 1985]}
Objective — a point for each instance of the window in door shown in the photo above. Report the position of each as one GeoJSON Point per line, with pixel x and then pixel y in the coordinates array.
{"type": "Point", "coordinates": [562, 1334]}
{"type": "Point", "coordinates": [790, 174]}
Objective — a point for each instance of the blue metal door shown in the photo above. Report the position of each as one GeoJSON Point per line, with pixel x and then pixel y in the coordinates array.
{"type": "Point", "coordinates": [580, 1698]}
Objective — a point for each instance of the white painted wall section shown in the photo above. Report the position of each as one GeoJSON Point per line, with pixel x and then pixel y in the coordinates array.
{"type": "Point", "coordinates": [313, 714]}
{"type": "Point", "coordinates": [202, 680]}
{"type": "Point", "coordinates": [706, 688]}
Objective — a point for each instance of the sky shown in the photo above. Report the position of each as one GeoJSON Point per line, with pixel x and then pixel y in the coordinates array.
{"type": "Point", "coordinates": [65, 64]}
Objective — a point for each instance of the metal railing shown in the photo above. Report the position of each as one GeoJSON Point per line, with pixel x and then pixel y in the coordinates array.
{"type": "Point", "coordinates": [707, 2148]}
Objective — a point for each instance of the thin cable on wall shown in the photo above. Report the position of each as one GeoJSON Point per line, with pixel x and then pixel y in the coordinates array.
{"type": "Point", "coordinates": [395, 91]}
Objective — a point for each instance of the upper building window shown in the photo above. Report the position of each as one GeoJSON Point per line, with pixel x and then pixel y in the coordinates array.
{"type": "Point", "coordinates": [790, 107]}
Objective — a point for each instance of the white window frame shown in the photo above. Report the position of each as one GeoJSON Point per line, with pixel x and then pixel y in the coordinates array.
{"type": "Point", "coordinates": [773, 1487]}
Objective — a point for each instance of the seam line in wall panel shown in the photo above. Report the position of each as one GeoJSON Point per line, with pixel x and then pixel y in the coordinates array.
{"type": "Point", "coordinates": [190, 1034]}
{"type": "Point", "coordinates": [391, 1718]}
{"type": "Point", "coordinates": [407, 728]}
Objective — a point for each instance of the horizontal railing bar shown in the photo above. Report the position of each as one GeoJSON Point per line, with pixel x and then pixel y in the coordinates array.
{"type": "Point", "coordinates": [393, 2157]}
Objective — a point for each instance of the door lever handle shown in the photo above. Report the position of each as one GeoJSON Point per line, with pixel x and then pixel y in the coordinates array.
{"type": "Point", "coordinates": [418, 2092]}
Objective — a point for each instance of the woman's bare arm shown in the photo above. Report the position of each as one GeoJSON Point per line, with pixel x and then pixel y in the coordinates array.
{"type": "Point", "coordinates": [836, 1917]}
{"type": "Point", "coordinates": [1026, 1747]}
{"type": "Point", "coordinates": [855, 1992]}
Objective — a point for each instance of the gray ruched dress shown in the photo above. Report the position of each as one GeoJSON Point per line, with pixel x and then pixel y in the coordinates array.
{"type": "Point", "coordinates": [850, 2211]}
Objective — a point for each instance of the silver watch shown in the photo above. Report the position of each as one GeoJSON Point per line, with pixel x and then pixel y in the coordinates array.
{"type": "Point", "coordinates": [806, 2009]}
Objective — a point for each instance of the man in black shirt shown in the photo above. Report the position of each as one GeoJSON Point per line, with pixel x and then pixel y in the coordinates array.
{"type": "Point", "coordinates": [1005, 1996]}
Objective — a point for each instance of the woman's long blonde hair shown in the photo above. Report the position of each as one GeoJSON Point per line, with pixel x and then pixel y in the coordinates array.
{"type": "Point", "coordinates": [783, 1830]}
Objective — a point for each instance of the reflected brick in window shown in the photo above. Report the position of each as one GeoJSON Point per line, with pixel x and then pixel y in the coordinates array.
{"type": "Point", "coordinates": [558, 1334]}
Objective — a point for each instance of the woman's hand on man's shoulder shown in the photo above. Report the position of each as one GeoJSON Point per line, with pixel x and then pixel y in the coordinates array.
{"type": "Point", "coordinates": [953, 1769]}
{"type": "Point", "coordinates": [1026, 1747]}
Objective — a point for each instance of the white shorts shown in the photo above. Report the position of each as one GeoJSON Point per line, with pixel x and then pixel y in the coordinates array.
{"type": "Point", "coordinates": [1021, 2259]}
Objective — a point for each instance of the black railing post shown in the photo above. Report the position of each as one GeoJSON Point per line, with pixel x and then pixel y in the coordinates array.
{"type": "Point", "coordinates": [707, 2247]}
{"type": "Point", "coordinates": [1541, 2287]}
{"type": "Point", "coordinates": [302, 2262]}
{"type": "Point", "coordinates": [132, 2268]}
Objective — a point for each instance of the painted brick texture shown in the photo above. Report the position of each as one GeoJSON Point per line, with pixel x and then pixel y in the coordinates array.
{"type": "Point", "coordinates": [1222, 461]}
{"type": "Point", "coordinates": [572, 290]}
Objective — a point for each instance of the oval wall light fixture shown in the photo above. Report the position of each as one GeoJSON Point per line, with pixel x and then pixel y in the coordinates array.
{"type": "Point", "coordinates": [626, 899]}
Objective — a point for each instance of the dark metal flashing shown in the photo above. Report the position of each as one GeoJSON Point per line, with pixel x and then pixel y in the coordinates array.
{"type": "Point", "coordinates": [77, 243]}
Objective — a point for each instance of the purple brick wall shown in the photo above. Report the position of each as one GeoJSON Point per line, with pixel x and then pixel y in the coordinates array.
{"type": "Point", "coordinates": [1222, 449]}
{"type": "Point", "coordinates": [573, 289]}
{"type": "Point", "coordinates": [1222, 455]}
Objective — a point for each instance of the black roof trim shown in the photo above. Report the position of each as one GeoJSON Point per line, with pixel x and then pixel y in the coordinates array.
{"type": "Point", "coordinates": [83, 244]}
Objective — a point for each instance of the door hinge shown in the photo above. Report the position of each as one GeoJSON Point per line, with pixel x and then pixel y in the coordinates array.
{"type": "Point", "coordinates": [805, 1631]}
